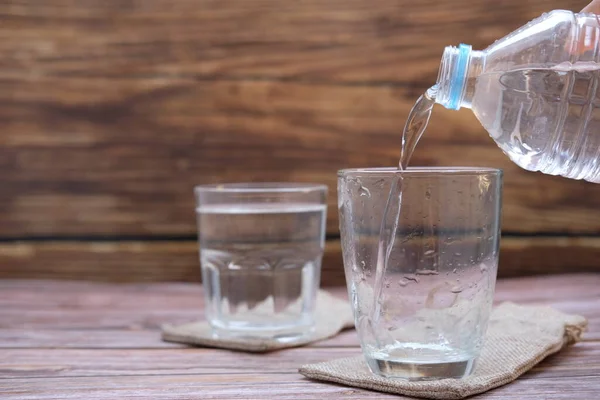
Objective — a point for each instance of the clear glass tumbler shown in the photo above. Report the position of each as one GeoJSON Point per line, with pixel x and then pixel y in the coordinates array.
{"type": "Point", "coordinates": [261, 246]}
{"type": "Point", "coordinates": [425, 315]}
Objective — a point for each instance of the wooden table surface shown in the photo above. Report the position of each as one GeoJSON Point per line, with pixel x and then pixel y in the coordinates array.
{"type": "Point", "coordinates": [85, 340]}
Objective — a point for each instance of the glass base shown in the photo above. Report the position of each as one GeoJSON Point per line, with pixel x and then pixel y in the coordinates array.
{"type": "Point", "coordinates": [285, 334]}
{"type": "Point", "coordinates": [419, 371]}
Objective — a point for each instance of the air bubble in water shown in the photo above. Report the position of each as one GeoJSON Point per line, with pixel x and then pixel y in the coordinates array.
{"type": "Point", "coordinates": [427, 272]}
{"type": "Point", "coordinates": [456, 289]}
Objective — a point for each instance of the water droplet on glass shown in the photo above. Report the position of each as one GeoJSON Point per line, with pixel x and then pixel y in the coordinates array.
{"type": "Point", "coordinates": [429, 252]}
{"type": "Point", "coordinates": [369, 272]}
{"type": "Point", "coordinates": [387, 282]}
{"type": "Point", "coordinates": [402, 282]}
{"type": "Point", "coordinates": [454, 270]}
{"type": "Point", "coordinates": [456, 289]}
{"type": "Point", "coordinates": [483, 268]}
{"type": "Point", "coordinates": [428, 194]}
{"type": "Point", "coordinates": [458, 254]}
{"type": "Point", "coordinates": [363, 191]}
{"type": "Point", "coordinates": [411, 277]}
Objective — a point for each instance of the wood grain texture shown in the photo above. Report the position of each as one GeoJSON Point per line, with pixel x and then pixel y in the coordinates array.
{"type": "Point", "coordinates": [110, 112]}
{"type": "Point", "coordinates": [53, 358]}
{"type": "Point", "coordinates": [345, 41]}
{"type": "Point", "coordinates": [275, 386]}
{"type": "Point", "coordinates": [101, 315]}
{"type": "Point", "coordinates": [127, 169]}
{"type": "Point", "coordinates": [581, 360]}
{"type": "Point", "coordinates": [160, 261]}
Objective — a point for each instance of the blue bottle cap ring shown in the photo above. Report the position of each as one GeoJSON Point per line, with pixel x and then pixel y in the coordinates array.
{"type": "Point", "coordinates": [459, 75]}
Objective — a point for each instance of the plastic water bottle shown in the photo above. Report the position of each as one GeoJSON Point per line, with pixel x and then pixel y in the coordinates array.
{"type": "Point", "coordinates": [536, 92]}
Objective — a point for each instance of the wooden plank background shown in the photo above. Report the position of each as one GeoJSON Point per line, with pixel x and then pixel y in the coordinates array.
{"type": "Point", "coordinates": [111, 111]}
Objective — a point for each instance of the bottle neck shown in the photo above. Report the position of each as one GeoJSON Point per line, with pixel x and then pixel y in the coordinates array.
{"type": "Point", "coordinates": [457, 76]}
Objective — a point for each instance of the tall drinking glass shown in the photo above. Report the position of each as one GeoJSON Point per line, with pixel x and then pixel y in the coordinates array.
{"type": "Point", "coordinates": [424, 313]}
{"type": "Point", "coordinates": [261, 246]}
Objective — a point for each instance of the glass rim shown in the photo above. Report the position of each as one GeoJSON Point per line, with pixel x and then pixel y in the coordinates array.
{"type": "Point", "coordinates": [261, 187]}
{"type": "Point", "coordinates": [423, 171]}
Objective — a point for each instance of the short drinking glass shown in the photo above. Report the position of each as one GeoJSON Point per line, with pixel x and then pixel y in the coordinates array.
{"type": "Point", "coordinates": [261, 246]}
{"type": "Point", "coordinates": [424, 316]}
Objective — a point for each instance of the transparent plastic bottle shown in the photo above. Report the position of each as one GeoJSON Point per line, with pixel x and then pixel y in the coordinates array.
{"type": "Point", "coordinates": [536, 91]}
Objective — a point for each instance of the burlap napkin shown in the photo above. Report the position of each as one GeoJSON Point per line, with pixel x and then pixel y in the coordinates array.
{"type": "Point", "coordinates": [518, 338]}
{"type": "Point", "coordinates": [331, 316]}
